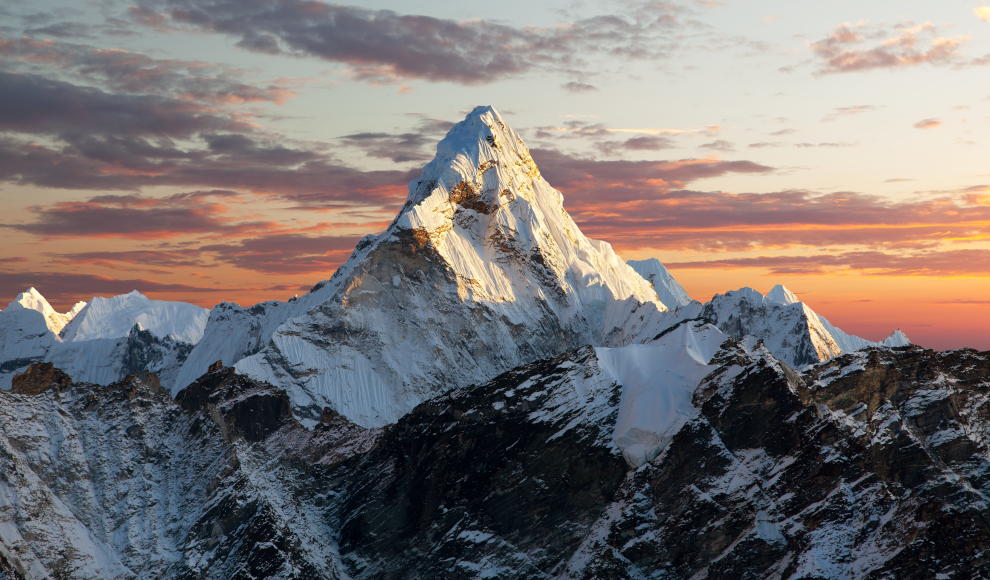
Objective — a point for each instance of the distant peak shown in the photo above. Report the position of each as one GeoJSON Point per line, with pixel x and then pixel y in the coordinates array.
{"type": "Point", "coordinates": [781, 295]}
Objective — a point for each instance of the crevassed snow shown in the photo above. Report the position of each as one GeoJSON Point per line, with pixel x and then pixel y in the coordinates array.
{"type": "Point", "coordinates": [670, 292]}
{"type": "Point", "coordinates": [658, 381]}
{"type": "Point", "coordinates": [114, 317]}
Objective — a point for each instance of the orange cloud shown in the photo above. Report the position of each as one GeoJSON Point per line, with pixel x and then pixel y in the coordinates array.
{"type": "Point", "coordinates": [928, 124]}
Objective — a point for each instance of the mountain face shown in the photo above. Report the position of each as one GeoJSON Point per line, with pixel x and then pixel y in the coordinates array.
{"type": "Point", "coordinates": [483, 392]}
{"type": "Point", "coordinates": [790, 329]}
{"type": "Point", "coordinates": [100, 342]}
{"type": "Point", "coordinates": [668, 290]}
{"type": "Point", "coordinates": [28, 328]}
{"type": "Point", "coordinates": [870, 465]}
{"type": "Point", "coordinates": [114, 317]}
{"type": "Point", "coordinates": [481, 271]}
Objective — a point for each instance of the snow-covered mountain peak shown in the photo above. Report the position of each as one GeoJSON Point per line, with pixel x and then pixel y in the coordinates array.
{"type": "Point", "coordinates": [670, 292]}
{"type": "Point", "coordinates": [115, 317]}
{"type": "Point", "coordinates": [781, 295]}
{"type": "Point", "coordinates": [897, 338]}
{"type": "Point", "coordinates": [482, 270]}
{"type": "Point", "coordinates": [31, 299]}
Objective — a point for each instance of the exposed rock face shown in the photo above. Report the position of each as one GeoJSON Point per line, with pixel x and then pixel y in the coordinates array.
{"type": "Point", "coordinates": [871, 465]}
{"type": "Point", "coordinates": [39, 378]}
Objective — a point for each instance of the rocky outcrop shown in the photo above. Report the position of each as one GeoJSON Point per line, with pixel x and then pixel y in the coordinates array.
{"type": "Point", "coordinates": [872, 465]}
{"type": "Point", "coordinates": [39, 378]}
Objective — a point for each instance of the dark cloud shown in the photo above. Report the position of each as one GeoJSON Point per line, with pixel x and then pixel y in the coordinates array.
{"type": "Point", "coordinates": [576, 87]}
{"type": "Point", "coordinates": [645, 143]}
{"type": "Point", "coordinates": [381, 44]}
{"type": "Point", "coordinates": [137, 217]}
{"type": "Point", "coordinates": [416, 145]}
{"type": "Point", "coordinates": [133, 72]}
{"type": "Point", "coordinates": [719, 145]}
{"type": "Point", "coordinates": [304, 178]}
{"type": "Point", "coordinates": [936, 263]}
{"type": "Point", "coordinates": [172, 258]}
{"type": "Point", "coordinates": [62, 30]}
{"type": "Point", "coordinates": [644, 204]}
{"type": "Point", "coordinates": [287, 254]}
{"type": "Point", "coordinates": [34, 104]}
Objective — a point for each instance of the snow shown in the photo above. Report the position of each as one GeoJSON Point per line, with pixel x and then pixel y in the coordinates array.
{"type": "Point", "coordinates": [780, 295]}
{"type": "Point", "coordinates": [94, 344]}
{"type": "Point", "coordinates": [114, 317]}
{"type": "Point", "coordinates": [482, 270]}
{"type": "Point", "coordinates": [670, 292]}
{"type": "Point", "coordinates": [658, 382]}
{"type": "Point", "coordinates": [850, 343]}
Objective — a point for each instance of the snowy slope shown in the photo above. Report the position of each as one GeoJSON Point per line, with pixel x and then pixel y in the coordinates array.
{"type": "Point", "coordinates": [791, 330]}
{"type": "Point", "coordinates": [670, 292]}
{"type": "Point", "coordinates": [233, 333]}
{"type": "Point", "coordinates": [850, 342]}
{"type": "Point", "coordinates": [29, 327]}
{"type": "Point", "coordinates": [114, 317]}
{"type": "Point", "coordinates": [658, 381]}
{"type": "Point", "coordinates": [481, 271]}
{"type": "Point", "coordinates": [94, 345]}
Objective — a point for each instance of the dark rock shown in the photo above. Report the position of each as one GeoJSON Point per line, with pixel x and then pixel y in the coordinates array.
{"type": "Point", "coordinates": [39, 378]}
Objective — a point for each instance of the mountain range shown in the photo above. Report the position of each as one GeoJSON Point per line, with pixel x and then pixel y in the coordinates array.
{"type": "Point", "coordinates": [481, 391]}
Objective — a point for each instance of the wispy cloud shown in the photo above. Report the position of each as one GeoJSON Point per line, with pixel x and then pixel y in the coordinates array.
{"type": "Point", "coordinates": [911, 45]}
{"type": "Point", "coordinates": [928, 124]}
{"type": "Point", "coordinates": [382, 45]}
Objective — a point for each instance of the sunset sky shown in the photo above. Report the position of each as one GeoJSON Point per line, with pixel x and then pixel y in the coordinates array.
{"type": "Point", "coordinates": [208, 150]}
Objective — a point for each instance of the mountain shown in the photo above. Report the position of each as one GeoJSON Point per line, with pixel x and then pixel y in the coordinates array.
{"type": "Point", "coordinates": [28, 328]}
{"type": "Point", "coordinates": [870, 465]}
{"type": "Point", "coordinates": [668, 290]}
{"type": "Point", "coordinates": [101, 341]}
{"type": "Point", "coordinates": [790, 329]}
{"type": "Point", "coordinates": [481, 271]}
{"type": "Point", "coordinates": [114, 317]}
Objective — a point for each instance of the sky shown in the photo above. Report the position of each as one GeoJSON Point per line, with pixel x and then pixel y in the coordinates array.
{"type": "Point", "coordinates": [208, 150]}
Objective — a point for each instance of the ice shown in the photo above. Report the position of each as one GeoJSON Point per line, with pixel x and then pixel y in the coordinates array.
{"type": "Point", "coordinates": [658, 382]}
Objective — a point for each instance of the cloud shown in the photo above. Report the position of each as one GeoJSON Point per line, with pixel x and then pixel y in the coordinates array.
{"type": "Point", "coordinates": [719, 145]}
{"type": "Point", "coordinates": [928, 124]}
{"type": "Point", "coordinates": [982, 12]}
{"type": "Point", "coordinates": [133, 72]}
{"type": "Point", "coordinates": [137, 217]}
{"type": "Point", "coordinates": [643, 204]}
{"type": "Point", "coordinates": [848, 112]}
{"type": "Point", "coordinates": [575, 87]}
{"type": "Point", "coordinates": [909, 46]}
{"type": "Point", "coordinates": [34, 104]}
{"type": "Point", "coordinates": [171, 258]}
{"type": "Point", "coordinates": [286, 254]}
{"type": "Point", "coordinates": [415, 145]}
{"type": "Point", "coordinates": [382, 45]}
{"type": "Point", "coordinates": [937, 263]}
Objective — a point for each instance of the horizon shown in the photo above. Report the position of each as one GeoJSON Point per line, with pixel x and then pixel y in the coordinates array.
{"type": "Point", "coordinates": [834, 150]}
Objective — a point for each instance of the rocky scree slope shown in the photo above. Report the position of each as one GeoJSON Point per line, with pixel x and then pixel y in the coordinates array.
{"type": "Point", "coordinates": [871, 465]}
